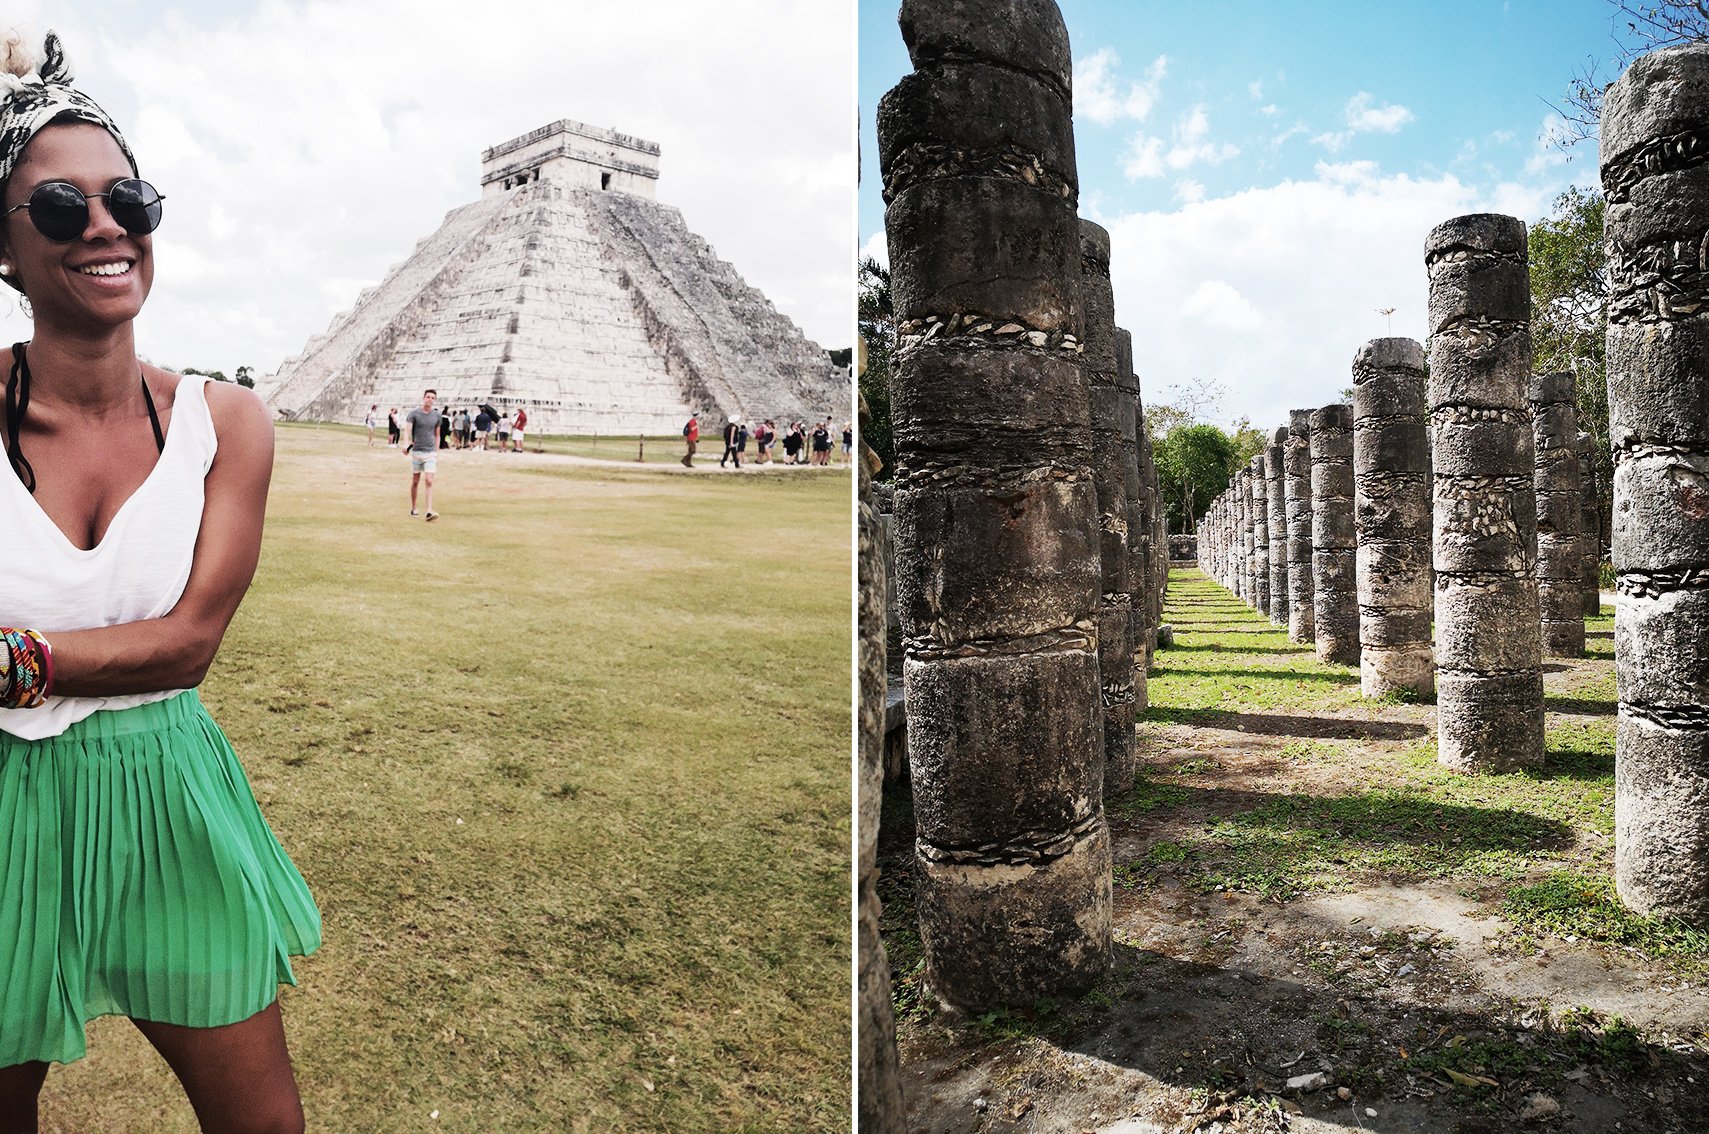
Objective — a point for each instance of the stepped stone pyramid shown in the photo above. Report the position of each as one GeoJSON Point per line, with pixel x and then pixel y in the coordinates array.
{"type": "Point", "coordinates": [568, 290]}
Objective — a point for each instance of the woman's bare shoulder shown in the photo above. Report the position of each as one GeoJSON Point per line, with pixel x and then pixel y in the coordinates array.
{"type": "Point", "coordinates": [241, 418]}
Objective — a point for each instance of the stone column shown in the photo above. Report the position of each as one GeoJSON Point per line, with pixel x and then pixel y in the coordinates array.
{"type": "Point", "coordinates": [1655, 132]}
{"type": "Point", "coordinates": [1275, 493]}
{"type": "Point", "coordinates": [1260, 535]}
{"type": "Point", "coordinates": [1133, 418]}
{"type": "Point", "coordinates": [1391, 504]}
{"type": "Point", "coordinates": [1334, 539]}
{"type": "Point", "coordinates": [1589, 528]}
{"type": "Point", "coordinates": [880, 1076]}
{"type": "Point", "coordinates": [1099, 364]}
{"type": "Point", "coordinates": [1560, 559]}
{"type": "Point", "coordinates": [1248, 539]}
{"type": "Point", "coordinates": [1489, 681]}
{"type": "Point", "coordinates": [997, 561]}
{"type": "Point", "coordinates": [1297, 488]}
{"type": "Point", "coordinates": [1236, 547]}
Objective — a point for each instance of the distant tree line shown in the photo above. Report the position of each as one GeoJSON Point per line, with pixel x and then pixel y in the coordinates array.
{"type": "Point", "coordinates": [245, 375]}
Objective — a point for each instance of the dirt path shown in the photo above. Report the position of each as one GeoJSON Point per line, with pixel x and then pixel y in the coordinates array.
{"type": "Point", "coordinates": [1318, 929]}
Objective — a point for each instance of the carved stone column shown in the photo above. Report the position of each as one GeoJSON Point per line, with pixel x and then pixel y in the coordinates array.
{"type": "Point", "coordinates": [1391, 502]}
{"type": "Point", "coordinates": [1489, 680]}
{"type": "Point", "coordinates": [1589, 528]}
{"type": "Point", "coordinates": [1260, 535]}
{"type": "Point", "coordinates": [997, 561]}
{"type": "Point", "coordinates": [880, 1076]}
{"type": "Point", "coordinates": [1334, 539]}
{"type": "Point", "coordinates": [1560, 556]}
{"type": "Point", "coordinates": [1100, 364]}
{"type": "Point", "coordinates": [1655, 133]}
{"type": "Point", "coordinates": [1302, 617]}
{"type": "Point", "coordinates": [1275, 494]}
{"type": "Point", "coordinates": [1248, 538]}
{"type": "Point", "coordinates": [1139, 537]}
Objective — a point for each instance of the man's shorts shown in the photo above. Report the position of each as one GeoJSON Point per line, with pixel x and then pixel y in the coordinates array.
{"type": "Point", "coordinates": [423, 464]}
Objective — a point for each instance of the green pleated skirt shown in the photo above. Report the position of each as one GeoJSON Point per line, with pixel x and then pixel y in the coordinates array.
{"type": "Point", "coordinates": [138, 878]}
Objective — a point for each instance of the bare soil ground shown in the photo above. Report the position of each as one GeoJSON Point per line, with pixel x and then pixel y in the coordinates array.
{"type": "Point", "coordinates": [1318, 929]}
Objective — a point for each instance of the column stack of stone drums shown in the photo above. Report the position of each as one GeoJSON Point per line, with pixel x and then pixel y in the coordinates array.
{"type": "Point", "coordinates": [997, 564]}
{"type": "Point", "coordinates": [1489, 681]}
{"type": "Point", "coordinates": [1560, 510]}
{"type": "Point", "coordinates": [1100, 364]}
{"type": "Point", "coordinates": [1302, 617]}
{"type": "Point", "coordinates": [1655, 136]}
{"type": "Point", "coordinates": [1590, 527]}
{"type": "Point", "coordinates": [1334, 574]}
{"type": "Point", "coordinates": [1275, 489]}
{"type": "Point", "coordinates": [1391, 502]}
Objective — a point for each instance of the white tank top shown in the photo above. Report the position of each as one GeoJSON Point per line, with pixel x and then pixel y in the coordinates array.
{"type": "Point", "coordinates": [137, 571]}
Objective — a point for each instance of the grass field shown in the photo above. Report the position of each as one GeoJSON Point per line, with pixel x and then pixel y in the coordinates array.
{"type": "Point", "coordinates": [568, 773]}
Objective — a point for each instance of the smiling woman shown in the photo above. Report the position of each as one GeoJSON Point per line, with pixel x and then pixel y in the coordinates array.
{"type": "Point", "coordinates": [137, 875]}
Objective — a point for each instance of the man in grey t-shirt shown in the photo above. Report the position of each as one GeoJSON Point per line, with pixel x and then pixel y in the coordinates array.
{"type": "Point", "coordinates": [422, 425]}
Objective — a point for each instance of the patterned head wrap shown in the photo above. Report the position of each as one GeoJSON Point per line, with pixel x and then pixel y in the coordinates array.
{"type": "Point", "coordinates": [39, 95]}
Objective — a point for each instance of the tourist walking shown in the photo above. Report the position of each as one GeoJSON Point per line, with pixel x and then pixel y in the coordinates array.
{"type": "Point", "coordinates": [139, 876]}
{"type": "Point", "coordinates": [822, 442]}
{"type": "Point", "coordinates": [518, 425]}
{"type": "Point", "coordinates": [392, 427]}
{"type": "Point", "coordinates": [371, 421]}
{"type": "Point", "coordinates": [444, 431]}
{"type": "Point", "coordinates": [690, 435]}
{"type": "Point", "coordinates": [460, 429]}
{"type": "Point", "coordinates": [504, 431]}
{"type": "Point", "coordinates": [741, 442]}
{"type": "Point", "coordinates": [423, 426]}
{"type": "Point", "coordinates": [792, 443]}
{"type": "Point", "coordinates": [483, 423]}
{"type": "Point", "coordinates": [729, 442]}
{"type": "Point", "coordinates": [848, 443]}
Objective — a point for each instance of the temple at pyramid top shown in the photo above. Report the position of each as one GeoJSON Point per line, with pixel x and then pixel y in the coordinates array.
{"type": "Point", "coordinates": [568, 290]}
{"type": "Point", "coordinates": [573, 154]}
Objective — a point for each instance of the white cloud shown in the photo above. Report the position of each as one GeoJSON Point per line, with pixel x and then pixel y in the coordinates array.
{"type": "Point", "coordinates": [1096, 88]}
{"type": "Point", "coordinates": [1363, 118]}
{"type": "Point", "coordinates": [1189, 190]}
{"type": "Point", "coordinates": [1216, 303]}
{"type": "Point", "coordinates": [1271, 110]}
{"type": "Point", "coordinates": [305, 145]}
{"type": "Point", "coordinates": [1190, 138]}
{"type": "Point", "coordinates": [1256, 90]}
{"type": "Point", "coordinates": [1144, 158]}
{"type": "Point", "coordinates": [1271, 290]}
{"type": "Point", "coordinates": [877, 247]}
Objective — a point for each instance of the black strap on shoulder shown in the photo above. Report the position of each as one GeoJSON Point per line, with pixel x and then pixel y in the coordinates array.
{"type": "Point", "coordinates": [17, 401]}
{"type": "Point", "coordinates": [153, 418]}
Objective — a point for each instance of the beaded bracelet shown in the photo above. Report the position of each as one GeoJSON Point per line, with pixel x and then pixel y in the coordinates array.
{"type": "Point", "coordinates": [26, 668]}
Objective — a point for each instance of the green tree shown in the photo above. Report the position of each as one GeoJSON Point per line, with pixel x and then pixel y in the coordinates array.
{"type": "Point", "coordinates": [1569, 314]}
{"type": "Point", "coordinates": [877, 317]}
{"type": "Point", "coordinates": [246, 377]}
{"type": "Point", "coordinates": [1194, 463]}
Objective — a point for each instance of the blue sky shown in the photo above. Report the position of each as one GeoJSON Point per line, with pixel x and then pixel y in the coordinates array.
{"type": "Point", "coordinates": [1269, 171]}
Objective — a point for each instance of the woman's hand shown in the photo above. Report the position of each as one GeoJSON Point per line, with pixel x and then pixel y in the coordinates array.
{"type": "Point", "coordinates": [174, 652]}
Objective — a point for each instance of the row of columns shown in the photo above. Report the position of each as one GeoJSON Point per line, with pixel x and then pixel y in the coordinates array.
{"type": "Point", "coordinates": [1453, 497]}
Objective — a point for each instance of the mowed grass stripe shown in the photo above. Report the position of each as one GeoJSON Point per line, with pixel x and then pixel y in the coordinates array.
{"type": "Point", "coordinates": [632, 690]}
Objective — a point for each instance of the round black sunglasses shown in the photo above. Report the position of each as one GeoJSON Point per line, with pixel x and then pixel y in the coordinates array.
{"type": "Point", "coordinates": [60, 210]}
